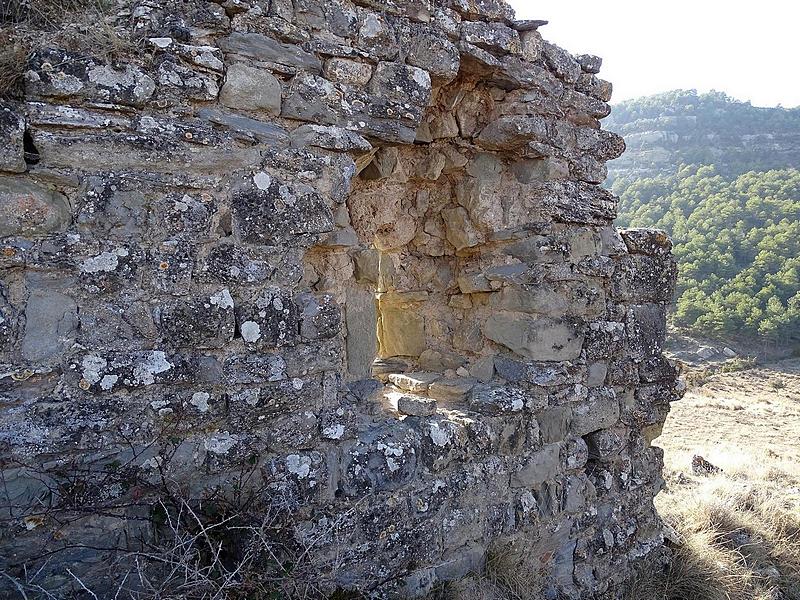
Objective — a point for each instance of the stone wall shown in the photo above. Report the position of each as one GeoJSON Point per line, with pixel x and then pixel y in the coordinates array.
{"type": "Point", "coordinates": [356, 248]}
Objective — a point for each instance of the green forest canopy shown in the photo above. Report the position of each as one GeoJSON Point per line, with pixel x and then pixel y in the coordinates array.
{"type": "Point", "coordinates": [737, 241]}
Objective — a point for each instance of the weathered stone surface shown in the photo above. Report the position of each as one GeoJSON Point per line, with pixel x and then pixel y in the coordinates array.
{"type": "Point", "coordinates": [51, 318]}
{"type": "Point", "coordinates": [401, 331]}
{"type": "Point", "coordinates": [508, 133]}
{"type": "Point", "coordinates": [537, 339]}
{"type": "Point", "coordinates": [267, 210]}
{"type": "Point", "coordinates": [540, 467]}
{"type": "Point", "coordinates": [494, 37]}
{"type": "Point", "coordinates": [352, 250]}
{"type": "Point", "coordinates": [247, 88]}
{"type": "Point", "coordinates": [329, 138]}
{"type": "Point", "coordinates": [205, 323]}
{"type": "Point", "coordinates": [12, 152]}
{"type": "Point", "coordinates": [401, 83]}
{"type": "Point", "coordinates": [601, 411]}
{"type": "Point", "coordinates": [29, 209]}
{"type": "Point", "coordinates": [589, 63]}
{"type": "Point", "coordinates": [414, 382]}
{"type": "Point", "coordinates": [461, 232]}
{"type": "Point", "coordinates": [454, 389]}
{"type": "Point", "coordinates": [495, 10]}
{"type": "Point", "coordinates": [361, 322]}
{"type": "Point", "coordinates": [348, 71]}
{"type": "Point", "coordinates": [416, 406]}
{"type": "Point", "coordinates": [435, 54]}
{"type": "Point", "coordinates": [267, 49]}
{"type": "Point", "coordinates": [56, 73]}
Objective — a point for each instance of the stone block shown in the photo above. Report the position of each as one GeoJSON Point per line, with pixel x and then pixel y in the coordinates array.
{"type": "Point", "coordinates": [59, 74]}
{"type": "Point", "coordinates": [249, 88]}
{"type": "Point", "coordinates": [475, 282]}
{"type": "Point", "coordinates": [535, 338]}
{"type": "Point", "coordinates": [652, 242]}
{"type": "Point", "coordinates": [538, 299]}
{"type": "Point", "coordinates": [320, 316]}
{"type": "Point", "coordinates": [416, 406]}
{"type": "Point", "coordinates": [29, 209]}
{"type": "Point", "coordinates": [51, 318]}
{"type": "Point", "coordinates": [645, 329]}
{"type": "Point", "coordinates": [272, 320]}
{"type": "Point", "coordinates": [460, 231]}
{"type": "Point", "coordinates": [597, 374]}
{"type": "Point", "coordinates": [436, 55]}
{"type": "Point", "coordinates": [496, 399]}
{"type": "Point", "coordinates": [645, 278]}
{"type": "Point", "coordinates": [601, 411]}
{"type": "Point", "coordinates": [417, 382]}
{"type": "Point", "coordinates": [496, 38]}
{"type": "Point", "coordinates": [329, 137]}
{"type": "Point", "coordinates": [482, 369]}
{"type": "Point", "coordinates": [269, 211]}
{"type": "Point", "coordinates": [349, 71]}
{"type": "Point", "coordinates": [541, 466]}
{"type": "Point", "coordinates": [401, 331]}
{"type": "Point", "coordinates": [554, 423]}
{"type": "Point", "coordinates": [454, 389]}
{"type": "Point", "coordinates": [361, 321]}
{"type": "Point", "coordinates": [513, 132]}
{"type": "Point", "coordinates": [401, 83]}
{"type": "Point", "coordinates": [12, 130]}
{"type": "Point", "coordinates": [267, 49]}
{"type": "Point", "coordinates": [199, 323]}
{"type": "Point", "coordinates": [589, 63]}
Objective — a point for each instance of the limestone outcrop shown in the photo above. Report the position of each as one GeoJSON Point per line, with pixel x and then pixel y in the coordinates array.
{"type": "Point", "coordinates": [357, 250]}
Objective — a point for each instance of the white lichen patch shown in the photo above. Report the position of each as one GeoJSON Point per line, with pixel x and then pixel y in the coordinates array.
{"type": "Point", "coordinates": [105, 261]}
{"type": "Point", "coordinates": [108, 381]}
{"type": "Point", "coordinates": [222, 299]}
{"type": "Point", "coordinates": [390, 452]}
{"type": "Point", "coordinates": [251, 331]}
{"type": "Point", "coordinates": [528, 502]}
{"type": "Point", "coordinates": [220, 443]}
{"type": "Point", "coordinates": [297, 384]}
{"type": "Point", "coordinates": [439, 435]}
{"type": "Point", "coordinates": [154, 362]}
{"type": "Point", "coordinates": [333, 432]}
{"type": "Point", "coordinates": [200, 401]}
{"type": "Point", "coordinates": [298, 465]}
{"type": "Point", "coordinates": [92, 367]}
{"type": "Point", "coordinates": [160, 42]}
{"type": "Point", "coordinates": [262, 180]}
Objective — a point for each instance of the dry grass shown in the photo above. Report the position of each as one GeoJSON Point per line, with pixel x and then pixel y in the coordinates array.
{"type": "Point", "coordinates": [507, 576]}
{"type": "Point", "coordinates": [739, 530]}
{"type": "Point", "coordinates": [83, 26]}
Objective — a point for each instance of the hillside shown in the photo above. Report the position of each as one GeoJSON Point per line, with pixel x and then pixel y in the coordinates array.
{"type": "Point", "coordinates": [720, 177]}
{"type": "Point", "coordinates": [684, 127]}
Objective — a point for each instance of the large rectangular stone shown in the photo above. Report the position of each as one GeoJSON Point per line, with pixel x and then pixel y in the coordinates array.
{"type": "Point", "coordinates": [535, 338]}
{"type": "Point", "coordinates": [267, 49]}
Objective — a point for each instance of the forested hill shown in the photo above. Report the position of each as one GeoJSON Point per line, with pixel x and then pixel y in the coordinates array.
{"type": "Point", "coordinates": [679, 127]}
{"type": "Point", "coordinates": [737, 241]}
{"type": "Point", "coordinates": [721, 177]}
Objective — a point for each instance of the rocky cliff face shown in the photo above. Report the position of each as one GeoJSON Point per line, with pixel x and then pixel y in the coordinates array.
{"type": "Point", "coordinates": [355, 251]}
{"type": "Point", "coordinates": [682, 127]}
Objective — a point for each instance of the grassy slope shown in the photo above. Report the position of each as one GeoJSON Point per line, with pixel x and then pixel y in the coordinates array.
{"type": "Point", "coordinates": [739, 530]}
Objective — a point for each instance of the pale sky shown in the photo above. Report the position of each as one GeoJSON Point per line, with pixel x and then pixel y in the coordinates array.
{"type": "Point", "coordinates": [750, 50]}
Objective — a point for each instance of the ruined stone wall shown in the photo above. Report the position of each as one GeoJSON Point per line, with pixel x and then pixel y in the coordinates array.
{"type": "Point", "coordinates": [356, 248]}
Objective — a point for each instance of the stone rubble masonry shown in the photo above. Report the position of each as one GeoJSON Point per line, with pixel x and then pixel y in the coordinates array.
{"type": "Point", "coordinates": [204, 250]}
